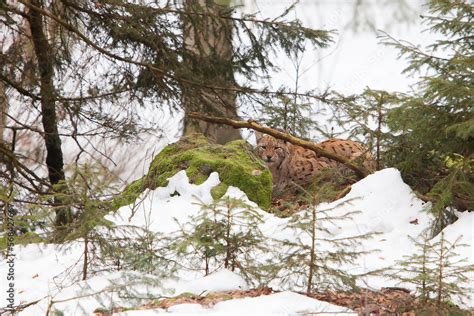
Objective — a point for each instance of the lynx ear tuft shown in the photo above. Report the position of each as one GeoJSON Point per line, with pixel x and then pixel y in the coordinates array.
{"type": "Point", "coordinates": [258, 135]}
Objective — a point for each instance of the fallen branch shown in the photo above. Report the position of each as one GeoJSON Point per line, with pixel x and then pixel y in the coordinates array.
{"type": "Point", "coordinates": [360, 171]}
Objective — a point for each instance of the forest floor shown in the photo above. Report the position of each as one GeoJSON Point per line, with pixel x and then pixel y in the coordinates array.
{"type": "Point", "coordinates": [387, 301]}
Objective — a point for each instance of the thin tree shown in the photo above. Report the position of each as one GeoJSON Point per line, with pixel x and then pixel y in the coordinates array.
{"type": "Point", "coordinates": [54, 154]}
{"type": "Point", "coordinates": [314, 259]}
{"type": "Point", "coordinates": [209, 54]}
{"type": "Point", "coordinates": [437, 270]}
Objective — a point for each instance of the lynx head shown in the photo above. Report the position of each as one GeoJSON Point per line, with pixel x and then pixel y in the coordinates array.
{"type": "Point", "coordinates": [273, 151]}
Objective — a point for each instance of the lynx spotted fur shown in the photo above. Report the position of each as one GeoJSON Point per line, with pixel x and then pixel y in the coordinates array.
{"type": "Point", "coordinates": [294, 164]}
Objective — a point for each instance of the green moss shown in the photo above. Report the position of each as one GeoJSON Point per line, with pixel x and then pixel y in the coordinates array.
{"type": "Point", "coordinates": [235, 162]}
{"type": "Point", "coordinates": [227, 297]}
{"type": "Point", "coordinates": [129, 195]}
{"type": "Point", "coordinates": [187, 294]}
{"type": "Point", "coordinates": [219, 190]}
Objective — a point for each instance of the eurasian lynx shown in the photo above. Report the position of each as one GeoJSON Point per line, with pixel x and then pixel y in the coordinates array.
{"type": "Point", "coordinates": [294, 164]}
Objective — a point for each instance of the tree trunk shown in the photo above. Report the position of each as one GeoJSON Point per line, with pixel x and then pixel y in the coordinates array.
{"type": "Point", "coordinates": [312, 256]}
{"type": "Point", "coordinates": [379, 130]}
{"type": "Point", "coordinates": [208, 44]}
{"type": "Point", "coordinates": [54, 155]}
{"type": "Point", "coordinates": [441, 288]}
{"type": "Point", "coordinates": [3, 111]}
{"type": "Point", "coordinates": [3, 158]}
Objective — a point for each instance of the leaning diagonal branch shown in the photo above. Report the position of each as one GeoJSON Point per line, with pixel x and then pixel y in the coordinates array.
{"type": "Point", "coordinates": [359, 170]}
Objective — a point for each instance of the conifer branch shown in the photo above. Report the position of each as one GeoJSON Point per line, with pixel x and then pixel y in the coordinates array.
{"type": "Point", "coordinates": [160, 71]}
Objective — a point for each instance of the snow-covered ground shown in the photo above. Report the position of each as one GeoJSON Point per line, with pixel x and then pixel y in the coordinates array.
{"type": "Point", "coordinates": [49, 273]}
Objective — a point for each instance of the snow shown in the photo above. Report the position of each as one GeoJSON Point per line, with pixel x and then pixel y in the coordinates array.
{"type": "Point", "coordinates": [463, 226]}
{"type": "Point", "coordinates": [385, 203]}
{"type": "Point", "coordinates": [219, 281]}
{"type": "Point", "coordinates": [39, 267]}
{"type": "Point", "coordinates": [283, 303]}
{"type": "Point", "coordinates": [172, 210]}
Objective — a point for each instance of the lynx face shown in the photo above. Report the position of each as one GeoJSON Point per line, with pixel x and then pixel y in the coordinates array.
{"type": "Point", "coordinates": [273, 151]}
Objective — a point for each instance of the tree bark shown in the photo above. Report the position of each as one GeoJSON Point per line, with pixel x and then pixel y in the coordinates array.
{"type": "Point", "coordinates": [3, 158]}
{"type": "Point", "coordinates": [3, 111]}
{"type": "Point", "coordinates": [54, 155]}
{"type": "Point", "coordinates": [360, 171]}
{"type": "Point", "coordinates": [312, 255]}
{"type": "Point", "coordinates": [208, 44]}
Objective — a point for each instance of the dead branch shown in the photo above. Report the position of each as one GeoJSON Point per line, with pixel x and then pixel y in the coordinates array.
{"type": "Point", "coordinates": [360, 171]}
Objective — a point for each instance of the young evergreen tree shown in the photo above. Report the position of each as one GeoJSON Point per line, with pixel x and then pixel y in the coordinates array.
{"type": "Point", "coordinates": [450, 272]}
{"type": "Point", "coordinates": [108, 247]}
{"type": "Point", "coordinates": [314, 261]}
{"type": "Point", "coordinates": [417, 268]}
{"type": "Point", "coordinates": [225, 234]}
{"type": "Point", "coordinates": [290, 116]}
{"type": "Point", "coordinates": [364, 118]}
{"type": "Point", "coordinates": [434, 125]}
{"type": "Point", "coordinates": [89, 203]}
{"type": "Point", "coordinates": [291, 113]}
{"type": "Point", "coordinates": [437, 271]}
{"type": "Point", "coordinates": [131, 248]}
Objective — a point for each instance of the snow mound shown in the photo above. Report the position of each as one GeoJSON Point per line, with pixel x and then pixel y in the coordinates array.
{"type": "Point", "coordinates": [284, 303]}
{"type": "Point", "coordinates": [385, 205]}
{"type": "Point", "coordinates": [161, 209]}
{"type": "Point", "coordinates": [388, 206]}
{"type": "Point", "coordinates": [223, 280]}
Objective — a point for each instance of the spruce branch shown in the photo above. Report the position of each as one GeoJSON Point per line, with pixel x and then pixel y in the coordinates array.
{"type": "Point", "coordinates": [161, 72]}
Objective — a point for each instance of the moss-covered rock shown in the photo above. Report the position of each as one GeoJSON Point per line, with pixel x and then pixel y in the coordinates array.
{"type": "Point", "coordinates": [235, 162]}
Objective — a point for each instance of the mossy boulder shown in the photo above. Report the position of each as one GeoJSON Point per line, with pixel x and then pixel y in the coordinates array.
{"type": "Point", "coordinates": [235, 162]}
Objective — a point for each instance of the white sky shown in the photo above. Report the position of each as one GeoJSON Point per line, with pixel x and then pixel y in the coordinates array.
{"type": "Point", "coordinates": [356, 59]}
